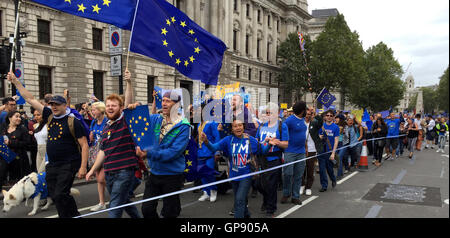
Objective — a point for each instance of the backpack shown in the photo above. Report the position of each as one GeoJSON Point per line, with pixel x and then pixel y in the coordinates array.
{"type": "Point", "coordinates": [70, 123]}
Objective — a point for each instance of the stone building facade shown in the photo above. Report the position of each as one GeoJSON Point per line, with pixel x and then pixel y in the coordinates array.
{"type": "Point", "coordinates": [63, 51]}
{"type": "Point", "coordinates": [411, 92]}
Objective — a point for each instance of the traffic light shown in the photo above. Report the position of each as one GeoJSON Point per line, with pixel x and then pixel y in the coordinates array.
{"type": "Point", "coordinates": [5, 59]}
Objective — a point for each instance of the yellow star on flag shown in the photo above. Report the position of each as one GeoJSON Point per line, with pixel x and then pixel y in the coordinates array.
{"type": "Point", "coordinates": [168, 22]}
{"type": "Point", "coordinates": [186, 63]}
{"type": "Point", "coordinates": [106, 2]}
{"type": "Point", "coordinates": [81, 7]}
{"type": "Point", "coordinates": [197, 50]}
{"type": "Point", "coordinates": [191, 32]}
{"type": "Point", "coordinates": [164, 31]}
{"type": "Point", "coordinates": [165, 43]}
{"type": "Point", "coordinates": [69, 1]}
{"type": "Point", "coordinates": [183, 24]}
{"type": "Point", "coordinates": [96, 9]}
{"type": "Point", "coordinates": [189, 163]}
{"type": "Point", "coordinates": [171, 53]}
{"type": "Point", "coordinates": [173, 19]}
{"type": "Point", "coordinates": [178, 61]}
{"type": "Point", "coordinates": [192, 59]}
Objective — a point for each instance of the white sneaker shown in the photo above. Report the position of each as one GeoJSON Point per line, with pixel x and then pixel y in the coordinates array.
{"type": "Point", "coordinates": [213, 197]}
{"type": "Point", "coordinates": [308, 192]}
{"type": "Point", "coordinates": [98, 207]}
{"type": "Point", "coordinates": [302, 190]}
{"type": "Point", "coordinates": [204, 197]}
{"type": "Point", "coordinates": [439, 150]}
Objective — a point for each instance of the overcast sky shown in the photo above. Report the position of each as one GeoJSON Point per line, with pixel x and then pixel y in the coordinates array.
{"type": "Point", "coordinates": [416, 30]}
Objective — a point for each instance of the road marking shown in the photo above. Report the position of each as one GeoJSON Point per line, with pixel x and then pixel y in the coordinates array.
{"type": "Point", "coordinates": [445, 156]}
{"type": "Point", "coordinates": [446, 201]}
{"type": "Point", "coordinates": [293, 209]}
{"type": "Point", "coordinates": [399, 177]}
{"type": "Point", "coordinates": [373, 212]}
{"type": "Point", "coordinates": [88, 208]}
{"type": "Point", "coordinates": [348, 177]}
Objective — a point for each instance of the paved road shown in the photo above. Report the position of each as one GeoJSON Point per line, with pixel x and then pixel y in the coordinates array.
{"type": "Point", "coordinates": [358, 195]}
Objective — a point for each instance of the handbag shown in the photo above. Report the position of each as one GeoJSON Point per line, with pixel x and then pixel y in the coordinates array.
{"type": "Point", "coordinates": [93, 151]}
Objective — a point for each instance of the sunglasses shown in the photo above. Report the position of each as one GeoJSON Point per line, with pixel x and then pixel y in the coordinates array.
{"type": "Point", "coordinates": [329, 115]}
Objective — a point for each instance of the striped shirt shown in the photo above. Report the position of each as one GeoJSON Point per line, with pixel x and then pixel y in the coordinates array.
{"type": "Point", "coordinates": [118, 145]}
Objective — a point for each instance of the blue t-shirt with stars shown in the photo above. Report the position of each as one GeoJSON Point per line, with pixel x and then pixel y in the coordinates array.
{"type": "Point", "coordinates": [97, 129]}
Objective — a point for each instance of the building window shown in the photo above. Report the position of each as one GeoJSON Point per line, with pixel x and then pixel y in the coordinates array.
{"type": "Point", "coordinates": [260, 76]}
{"type": "Point", "coordinates": [1, 25]}
{"type": "Point", "coordinates": [238, 69]}
{"type": "Point", "coordinates": [188, 85]}
{"type": "Point", "coordinates": [268, 21]}
{"type": "Point", "coordinates": [98, 85]}
{"type": "Point", "coordinates": [179, 4]}
{"type": "Point", "coordinates": [247, 10]}
{"type": "Point", "coordinates": [259, 16]}
{"type": "Point", "coordinates": [235, 5]}
{"type": "Point", "coordinates": [97, 39]}
{"type": "Point", "coordinates": [249, 74]}
{"type": "Point", "coordinates": [45, 81]}
{"type": "Point", "coordinates": [150, 88]}
{"type": "Point", "coordinates": [270, 78]}
{"type": "Point", "coordinates": [278, 25]}
{"type": "Point", "coordinates": [247, 40]}
{"type": "Point", "coordinates": [235, 40]}
{"type": "Point", "coordinates": [268, 51]}
{"type": "Point", "coordinates": [258, 48]}
{"type": "Point", "coordinates": [43, 32]}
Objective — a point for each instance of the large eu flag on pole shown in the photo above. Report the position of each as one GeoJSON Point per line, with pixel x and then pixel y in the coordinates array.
{"type": "Point", "coordinates": [164, 33]}
{"type": "Point", "coordinates": [326, 98]}
{"type": "Point", "coordinates": [115, 12]}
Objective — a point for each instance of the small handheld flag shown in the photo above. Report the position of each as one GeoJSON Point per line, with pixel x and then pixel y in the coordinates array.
{"type": "Point", "coordinates": [7, 154]}
{"type": "Point", "coordinates": [139, 126]}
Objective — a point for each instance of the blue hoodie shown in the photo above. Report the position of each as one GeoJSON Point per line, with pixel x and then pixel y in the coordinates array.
{"type": "Point", "coordinates": [167, 157]}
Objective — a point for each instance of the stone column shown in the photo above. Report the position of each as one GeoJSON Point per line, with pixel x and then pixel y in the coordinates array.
{"type": "Point", "coordinates": [214, 10]}
{"type": "Point", "coordinates": [190, 9]}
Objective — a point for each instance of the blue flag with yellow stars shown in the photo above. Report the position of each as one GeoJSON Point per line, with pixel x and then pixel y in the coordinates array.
{"type": "Point", "coordinates": [166, 34]}
{"type": "Point", "coordinates": [115, 12]}
{"type": "Point", "coordinates": [7, 154]}
{"type": "Point", "coordinates": [158, 97]}
{"type": "Point", "coordinates": [190, 156]}
{"type": "Point", "coordinates": [193, 171]}
{"type": "Point", "coordinates": [139, 126]}
{"type": "Point", "coordinates": [326, 98]}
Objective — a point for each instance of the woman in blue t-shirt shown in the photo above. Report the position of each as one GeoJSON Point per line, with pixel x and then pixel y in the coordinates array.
{"type": "Point", "coordinates": [96, 128]}
{"type": "Point", "coordinates": [239, 148]}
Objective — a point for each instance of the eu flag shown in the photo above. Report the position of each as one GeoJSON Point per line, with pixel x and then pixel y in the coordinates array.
{"type": "Point", "coordinates": [326, 98]}
{"type": "Point", "coordinates": [138, 124]}
{"type": "Point", "coordinates": [193, 171]}
{"type": "Point", "coordinates": [164, 33]}
{"type": "Point", "coordinates": [7, 154]}
{"type": "Point", "coordinates": [115, 12]}
{"type": "Point", "coordinates": [158, 97]}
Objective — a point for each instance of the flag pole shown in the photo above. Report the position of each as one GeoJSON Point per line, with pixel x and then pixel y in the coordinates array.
{"type": "Point", "coordinates": [16, 27]}
{"type": "Point", "coordinates": [131, 36]}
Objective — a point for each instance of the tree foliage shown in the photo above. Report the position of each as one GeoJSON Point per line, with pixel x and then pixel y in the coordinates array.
{"type": "Point", "coordinates": [384, 87]}
{"type": "Point", "coordinates": [443, 92]}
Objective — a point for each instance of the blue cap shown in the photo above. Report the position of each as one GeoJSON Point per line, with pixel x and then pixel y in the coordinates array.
{"type": "Point", "coordinates": [58, 100]}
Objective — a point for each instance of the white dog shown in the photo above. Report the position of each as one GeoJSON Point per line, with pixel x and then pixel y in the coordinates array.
{"type": "Point", "coordinates": [31, 186]}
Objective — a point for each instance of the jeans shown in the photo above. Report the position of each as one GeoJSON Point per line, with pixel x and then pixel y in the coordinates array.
{"type": "Point", "coordinates": [119, 184]}
{"type": "Point", "coordinates": [343, 159]}
{"type": "Point", "coordinates": [210, 178]}
{"type": "Point", "coordinates": [157, 185]}
{"type": "Point", "coordinates": [400, 146]}
{"type": "Point", "coordinates": [442, 141]}
{"type": "Point", "coordinates": [240, 189]}
{"type": "Point", "coordinates": [59, 180]}
{"type": "Point", "coordinates": [326, 167]}
{"type": "Point", "coordinates": [293, 174]}
{"type": "Point", "coordinates": [412, 144]}
{"type": "Point", "coordinates": [308, 175]}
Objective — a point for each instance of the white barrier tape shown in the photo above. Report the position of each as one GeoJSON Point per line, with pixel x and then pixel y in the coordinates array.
{"type": "Point", "coordinates": [228, 180]}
